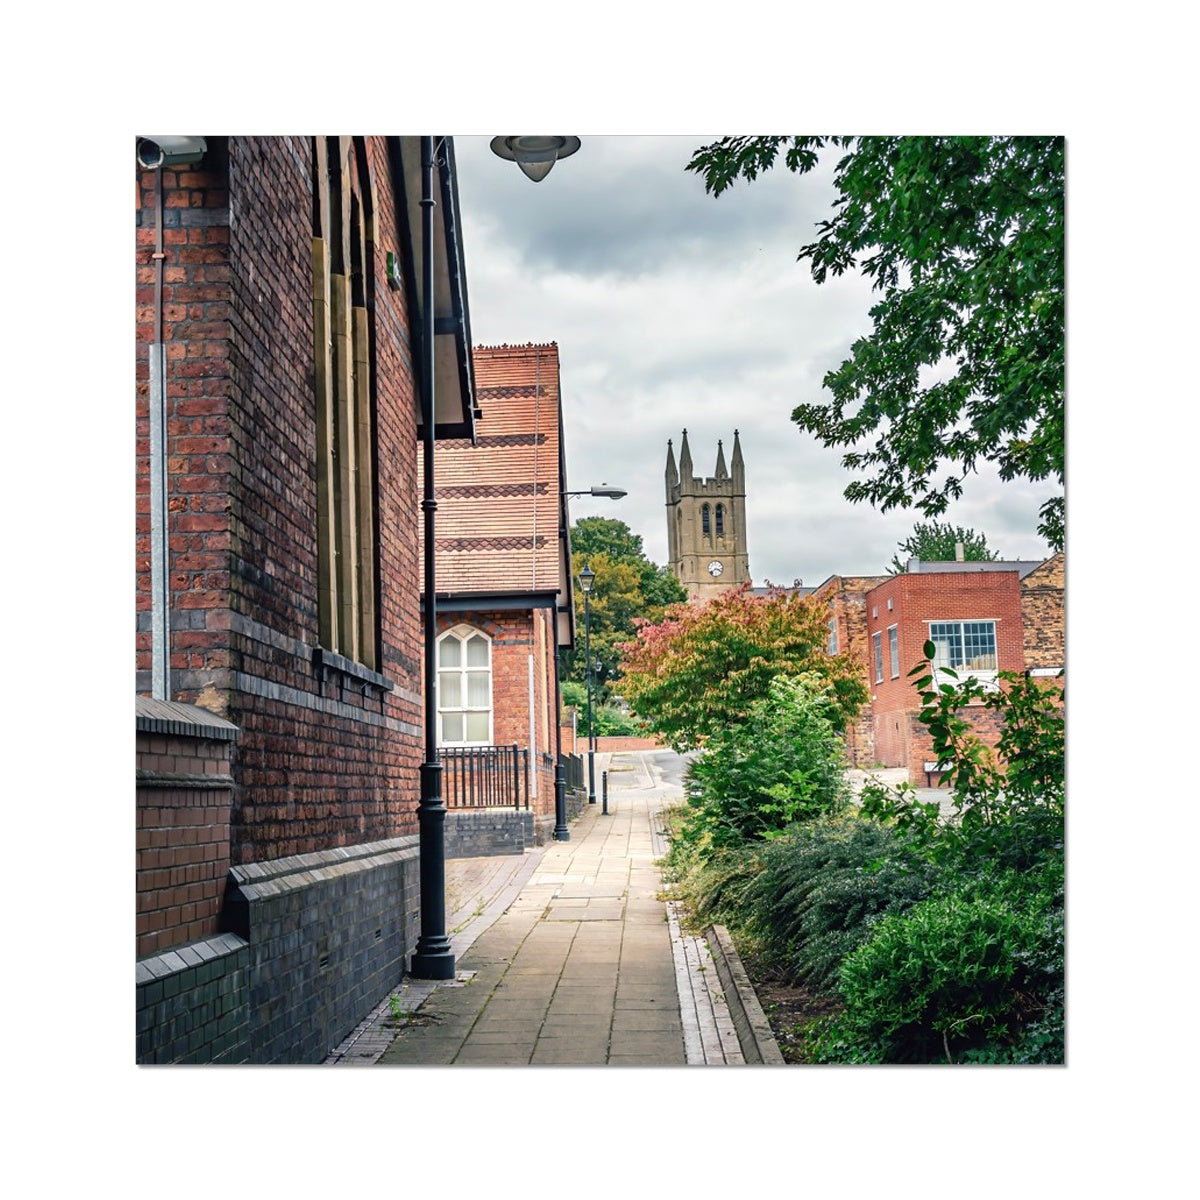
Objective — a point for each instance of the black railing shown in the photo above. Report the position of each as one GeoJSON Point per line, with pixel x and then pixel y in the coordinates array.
{"type": "Point", "coordinates": [485, 776]}
{"type": "Point", "coordinates": [573, 772]}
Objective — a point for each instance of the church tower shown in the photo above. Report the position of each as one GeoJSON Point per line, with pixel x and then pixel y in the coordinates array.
{"type": "Point", "coordinates": [706, 522]}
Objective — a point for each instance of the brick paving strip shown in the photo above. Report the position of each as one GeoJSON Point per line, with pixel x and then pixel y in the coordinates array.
{"type": "Point", "coordinates": [576, 961]}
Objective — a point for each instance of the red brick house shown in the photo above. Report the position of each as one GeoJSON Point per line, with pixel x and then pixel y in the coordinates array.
{"type": "Point", "coordinates": [503, 570]}
{"type": "Point", "coordinates": [278, 641]}
{"type": "Point", "coordinates": [983, 617]}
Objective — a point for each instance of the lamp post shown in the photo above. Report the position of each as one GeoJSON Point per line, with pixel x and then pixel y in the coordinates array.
{"type": "Point", "coordinates": [586, 576]}
{"type": "Point", "coordinates": [433, 957]}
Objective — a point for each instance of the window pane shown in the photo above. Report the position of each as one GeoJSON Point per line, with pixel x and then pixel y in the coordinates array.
{"type": "Point", "coordinates": [452, 727]}
{"type": "Point", "coordinates": [979, 638]}
{"type": "Point", "coordinates": [877, 642]}
{"type": "Point", "coordinates": [449, 689]}
{"type": "Point", "coordinates": [477, 652]}
{"type": "Point", "coordinates": [477, 727]}
{"type": "Point", "coordinates": [947, 637]}
{"type": "Point", "coordinates": [449, 652]}
{"type": "Point", "coordinates": [894, 649]}
{"type": "Point", "coordinates": [479, 689]}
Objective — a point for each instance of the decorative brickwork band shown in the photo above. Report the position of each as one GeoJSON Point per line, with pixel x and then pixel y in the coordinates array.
{"type": "Point", "coordinates": [504, 439]}
{"type": "Point", "coordinates": [512, 392]}
{"type": "Point", "coordinates": [491, 543]}
{"type": "Point", "coordinates": [484, 490]}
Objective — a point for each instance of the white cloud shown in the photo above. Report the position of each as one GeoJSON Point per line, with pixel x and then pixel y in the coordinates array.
{"type": "Point", "coordinates": [673, 310]}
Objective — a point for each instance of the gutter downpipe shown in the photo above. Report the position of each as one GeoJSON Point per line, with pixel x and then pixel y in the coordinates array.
{"type": "Point", "coordinates": [433, 957]}
{"type": "Point", "coordinates": [160, 594]}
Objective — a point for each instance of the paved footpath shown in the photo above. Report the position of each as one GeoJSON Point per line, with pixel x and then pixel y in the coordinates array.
{"type": "Point", "coordinates": [583, 965]}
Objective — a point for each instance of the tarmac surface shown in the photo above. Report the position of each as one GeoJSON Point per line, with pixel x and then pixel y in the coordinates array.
{"type": "Point", "coordinates": [566, 955]}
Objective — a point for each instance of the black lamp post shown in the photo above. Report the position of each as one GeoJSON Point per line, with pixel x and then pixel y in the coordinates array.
{"type": "Point", "coordinates": [433, 957]}
{"type": "Point", "coordinates": [586, 576]}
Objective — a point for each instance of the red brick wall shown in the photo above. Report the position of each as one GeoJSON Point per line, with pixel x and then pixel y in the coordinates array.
{"type": "Point", "coordinates": [182, 854]}
{"type": "Point", "coordinates": [196, 332]}
{"type": "Point", "coordinates": [516, 635]}
{"type": "Point", "coordinates": [318, 764]}
{"type": "Point", "coordinates": [916, 600]}
{"type": "Point", "coordinates": [845, 597]}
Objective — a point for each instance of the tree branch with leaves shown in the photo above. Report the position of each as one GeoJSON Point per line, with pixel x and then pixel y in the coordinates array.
{"type": "Point", "coordinates": [963, 239]}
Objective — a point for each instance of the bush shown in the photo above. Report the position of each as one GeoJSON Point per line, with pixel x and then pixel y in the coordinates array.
{"type": "Point", "coordinates": [712, 883]}
{"type": "Point", "coordinates": [821, 887]}
{"type": "Point", "coordinates": [958, 977]}
{"type": "Point", "coordinates": [784, 764]}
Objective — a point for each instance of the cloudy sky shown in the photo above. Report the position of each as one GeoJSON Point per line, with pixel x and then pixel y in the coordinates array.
{"type": "Point", "coordinates": [673, 309]}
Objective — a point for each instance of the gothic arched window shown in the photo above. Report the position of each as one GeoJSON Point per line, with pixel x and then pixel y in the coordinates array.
{"type": "Point", "coordinates": [720, 520]}
{"type": "Point", "coordinates": [705, 520]}
{"type": "Point", "coordinates": [464, 687]}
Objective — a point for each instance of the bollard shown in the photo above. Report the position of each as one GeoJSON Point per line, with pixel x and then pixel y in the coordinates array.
{"type": "Point", "coordinates": [604, 790]}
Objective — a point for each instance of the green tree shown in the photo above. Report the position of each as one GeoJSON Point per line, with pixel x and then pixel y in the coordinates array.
{"type": "Point", "coordinates": [937, 542]}
{"type": "Point", "coordinates": [703, 666]}
{"type": "Point", "coordinates": [628, 587]}
{"type": "Point", "coordinates": [963, 237]}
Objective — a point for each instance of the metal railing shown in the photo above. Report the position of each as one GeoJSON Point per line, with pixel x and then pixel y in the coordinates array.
{"type": "Point", "coordinates": [573, 772]}
{"type": "Point", "coordinates": [485, 776]}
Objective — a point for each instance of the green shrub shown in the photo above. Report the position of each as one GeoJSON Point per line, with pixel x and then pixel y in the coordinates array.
{"type": "Point", "coordinates": [784, 764]}
{"type": "Point", "coordinates": [955, 974]}
{"type": "Point", "coordinates": [821, 886]}
{"type": "Point", "coordinates": [712, 883]}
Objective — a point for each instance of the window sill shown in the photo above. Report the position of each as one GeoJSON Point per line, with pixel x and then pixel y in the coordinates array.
{"type": "Point", "coordinates": [327, 662]}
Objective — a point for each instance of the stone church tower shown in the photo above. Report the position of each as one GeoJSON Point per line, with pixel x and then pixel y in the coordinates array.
{"type": "Point", "coordinates": [706, 523]}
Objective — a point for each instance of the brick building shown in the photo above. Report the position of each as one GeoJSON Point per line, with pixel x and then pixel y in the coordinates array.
{"type": "Point", "coordinates": [984, 617]}
{"type": "Point", "coordinates": [503, 567]}
{"type": "Point", "coordinates": [279, 638]}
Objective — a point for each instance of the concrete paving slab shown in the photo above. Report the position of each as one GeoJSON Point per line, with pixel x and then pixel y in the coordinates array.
{"type": "Point", "coordinates": [580, 964]}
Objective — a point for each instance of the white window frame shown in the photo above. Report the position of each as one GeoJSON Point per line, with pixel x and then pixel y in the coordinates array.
{"type": "Point", "coordinates": [463, 634]}
{"type": "Point", "coordinates": [877, 655]}
{"type": "Point", "coordinates": [833, 636]}
{"type": "Point", "coordinates": [986, 675]}
{"type": "Point", "coordinates": [894, 649]}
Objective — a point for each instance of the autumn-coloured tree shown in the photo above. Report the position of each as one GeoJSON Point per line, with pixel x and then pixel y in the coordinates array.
{"type": "Point", "coordinates": [703, 666]}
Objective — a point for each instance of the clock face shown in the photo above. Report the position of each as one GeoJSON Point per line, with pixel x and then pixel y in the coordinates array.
{"type": "Point", "coordinates": [715, 568]}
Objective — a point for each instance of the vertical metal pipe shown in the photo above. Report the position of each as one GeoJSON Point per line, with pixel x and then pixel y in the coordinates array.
{"type": "Point", "coordinates": [160, 579]}
{"type": "Point", "coordinates": [433, 957]}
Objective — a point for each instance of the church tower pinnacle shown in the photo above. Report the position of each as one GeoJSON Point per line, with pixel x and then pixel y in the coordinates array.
{"type": "Point", "coordinates": [706, 522]}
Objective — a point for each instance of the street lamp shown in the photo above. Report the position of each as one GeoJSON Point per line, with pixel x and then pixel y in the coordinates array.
{"type": "Point", "coordinates": [586, 576]}
{"type": "Point", "coordinates": [609, 493]}
{"type": "Point", "coordinates": [534, 155]}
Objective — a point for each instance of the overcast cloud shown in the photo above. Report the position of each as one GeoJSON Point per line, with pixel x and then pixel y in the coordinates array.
{"type": "Point", "coordinates": [673, 309]}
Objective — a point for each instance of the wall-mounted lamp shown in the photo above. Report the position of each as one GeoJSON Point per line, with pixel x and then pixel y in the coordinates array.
{"type": "Point", "coordinates": [534, 155]}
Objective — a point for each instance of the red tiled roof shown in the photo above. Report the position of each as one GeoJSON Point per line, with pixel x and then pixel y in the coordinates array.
{"type": "Point", "coordinates": [499, 501]}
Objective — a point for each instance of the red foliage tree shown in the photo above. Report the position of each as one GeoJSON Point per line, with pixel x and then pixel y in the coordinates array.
{"type": "Point", "coordinates": [701, 667]}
